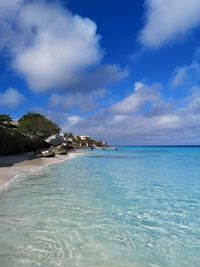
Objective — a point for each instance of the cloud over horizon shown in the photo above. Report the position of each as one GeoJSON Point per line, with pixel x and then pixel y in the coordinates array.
{"type": "Point", "coordinates": [144, 117]}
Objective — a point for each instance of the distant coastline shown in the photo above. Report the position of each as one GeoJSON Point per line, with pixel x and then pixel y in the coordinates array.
{"type": "Point", "coordinates": [159, 146]}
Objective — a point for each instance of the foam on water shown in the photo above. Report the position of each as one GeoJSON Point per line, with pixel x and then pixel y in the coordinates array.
{"type": "Point", "coordinates": [131, 207]}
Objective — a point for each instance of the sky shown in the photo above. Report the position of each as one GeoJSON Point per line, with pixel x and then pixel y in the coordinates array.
{"type": "Point", "coordinates": [127, 72]}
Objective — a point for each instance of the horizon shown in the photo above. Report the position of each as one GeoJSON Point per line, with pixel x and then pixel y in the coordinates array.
{"type": "Point", "coordinates": [158, 146]}
{"type": "Point", "coordinates": [127, 73]}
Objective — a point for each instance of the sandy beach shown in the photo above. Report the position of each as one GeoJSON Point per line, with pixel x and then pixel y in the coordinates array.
{"type": "Point", "coordinates": [12, 165]}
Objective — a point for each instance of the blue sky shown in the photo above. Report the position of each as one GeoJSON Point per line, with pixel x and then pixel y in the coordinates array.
{"type": "Point", "coordinates": [124, 71]}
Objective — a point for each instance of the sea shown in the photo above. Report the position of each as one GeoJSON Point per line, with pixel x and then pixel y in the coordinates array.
{"type": "Point", "coordinates": [134, 207]}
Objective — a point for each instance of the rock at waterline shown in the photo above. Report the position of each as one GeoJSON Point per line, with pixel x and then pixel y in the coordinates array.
{"type": "Point", "coordinates": [48, 154]}
{"type": "Point", "coordinates": [59, 150]}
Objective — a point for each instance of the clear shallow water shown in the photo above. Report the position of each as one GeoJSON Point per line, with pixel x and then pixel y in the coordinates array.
{"type": "Point", "coordinates": [131, 207]}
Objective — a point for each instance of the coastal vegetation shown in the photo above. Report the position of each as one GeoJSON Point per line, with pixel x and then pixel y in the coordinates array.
{"type": "Point", "coordinates": [13, 142]}
{"type": "Point", "coordinates": [27, 134]}
{"type": "Point", "coordinates": [33, 132]}
{"type": "Point", "coordinates": [5, 118]}
{"type": "Point", "coordinates": [36, 125]}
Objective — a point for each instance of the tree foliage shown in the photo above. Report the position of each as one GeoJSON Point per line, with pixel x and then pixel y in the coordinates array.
{"type": "Point", "coordinates": [68, 135]}
{"type": "Point", "coordinates": [36, 125]}
{"type": "Point", "coordinates": [5, 118]}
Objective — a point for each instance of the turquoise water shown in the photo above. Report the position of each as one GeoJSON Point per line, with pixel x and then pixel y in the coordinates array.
{"type": "Point", "coordinates": [137, 206]}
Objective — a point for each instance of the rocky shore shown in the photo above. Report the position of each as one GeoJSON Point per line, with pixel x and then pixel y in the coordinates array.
{"type": "Point", "coordinates": [62, 149]}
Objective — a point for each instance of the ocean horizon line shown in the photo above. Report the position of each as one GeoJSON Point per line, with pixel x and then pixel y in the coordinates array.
{"type": "Point", "coordinates": [157, 145]}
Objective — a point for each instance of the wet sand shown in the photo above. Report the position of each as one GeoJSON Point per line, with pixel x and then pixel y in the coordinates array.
{"type": "Point", "coordinates": [10, 166]}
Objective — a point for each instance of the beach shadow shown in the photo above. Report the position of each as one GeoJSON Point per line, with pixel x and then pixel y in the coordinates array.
{"type": "Point", "coordinates": [10, 160]}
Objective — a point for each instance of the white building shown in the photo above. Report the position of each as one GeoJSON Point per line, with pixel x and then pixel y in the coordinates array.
{"type": "Point", "coordinates": [84, 137]}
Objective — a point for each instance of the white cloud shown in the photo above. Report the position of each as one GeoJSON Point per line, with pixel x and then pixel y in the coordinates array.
{"type": "Point", "coordinates": [168, 20]}
{"type": "Point", "coordinates": [186, 75]}
{"type": "Point", "coordinates": [180, 76]}
{"type": "Point", "coordinates": [11, 98]}
{"type": "Point", "coordinates": [49, 46]}
{"type": "Point", "coordinates": [131, 122]}
{"type": "Point", "coordinates": [194, 100]}
{"type": "Point", "coordinates": [72, 120]}
{"type": "Point", "coordinates": [168, 121]}
{"type": "Point", "coordinates": [138, 100]}
{"type": "Point", "coordinates": [9, 7]}
{"type": "Point", "coordinates": [100, 77]}
{"type": "Point", "coordinates": [83, 102]}
{"type": "Point", "coordinates": [138, 86]}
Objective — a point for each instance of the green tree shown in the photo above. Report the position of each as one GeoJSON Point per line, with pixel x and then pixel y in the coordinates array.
{"type": "Point", "coordinates": [5, 118]}
{"type": "Point", "coordinates": [70, 135]}
{"type": "Point", "coordinates": [36, 125]}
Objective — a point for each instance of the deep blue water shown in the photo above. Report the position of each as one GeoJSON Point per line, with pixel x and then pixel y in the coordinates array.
{"type": "Point", "coordinates": [138, 206]}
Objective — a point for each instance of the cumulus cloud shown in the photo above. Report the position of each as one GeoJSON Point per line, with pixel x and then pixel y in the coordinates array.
{"type": "Point", "coordinates": [86, 92]}
{"type": "Point", "coordinates": [180, 75]}
{"type": "Point", "coordinates": [194, 100]}
{"type": "Point", "coordinates": [48, 45]}
{"type": "Point", "coordinates": [11, 98]}
{"type": "Point", "coordinates": [149, 119]}
{"type": "Point", "coordinates": [72, 120]}
{"type": "Point", "coordinates": [138, 100]}
{"type": "Point", "coordinates": [101, 77]}
{"type": "Point", "coordinates": [186, 75]}
{"type": "Point", "coordinates": [9, 7]}
{"type": "Point", "coordinates": [168, 20]}
{"type": "Point", "coordinates": [81, 101]}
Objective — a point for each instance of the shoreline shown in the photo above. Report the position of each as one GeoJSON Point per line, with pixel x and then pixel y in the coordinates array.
{"type": "Point", "coordinates": [12, 166]}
